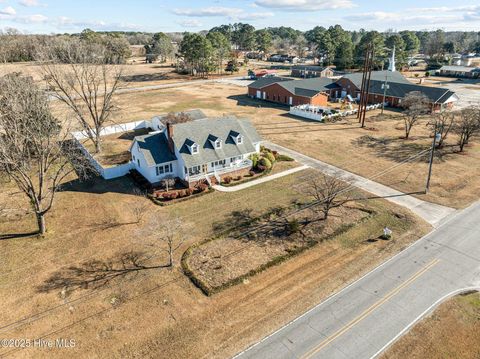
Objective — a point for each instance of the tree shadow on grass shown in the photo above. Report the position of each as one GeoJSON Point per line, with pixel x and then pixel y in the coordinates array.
{"type": "Point", "coordinates": [398, 149]}
{"type": "Point", "coordinates": [145, 77]}
{"type": "Point", "coordinates": [18, 235]}
{"type": "Point", "coordinates": [95, 274]}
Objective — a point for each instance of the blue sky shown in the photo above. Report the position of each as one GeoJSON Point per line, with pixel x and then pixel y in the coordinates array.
{"type": "Point", "coordinates": [47, 16]}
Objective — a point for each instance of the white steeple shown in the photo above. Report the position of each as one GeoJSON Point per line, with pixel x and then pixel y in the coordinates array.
{"type": "Point", "coordinates": [391, 64]}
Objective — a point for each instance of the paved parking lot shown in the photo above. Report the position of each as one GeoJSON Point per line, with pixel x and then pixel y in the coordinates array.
{"type": "Point", "coordinates": [237, 81]}
{"type": "Point", "coordinates": [468, 92]}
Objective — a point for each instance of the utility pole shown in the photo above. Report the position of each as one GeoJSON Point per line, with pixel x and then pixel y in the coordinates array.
{"type": "Point", "coordinates": [436, 137]}
{"type": "Point", "coordinates": [365, 90]}
{"type": "Point", "coordinates": [362, 89]}
{"type": "Point", "coordinates": [385, 86]}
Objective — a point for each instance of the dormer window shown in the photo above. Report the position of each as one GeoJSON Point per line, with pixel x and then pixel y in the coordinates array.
{"type": "Point", "coordinates": [215, 141]}
{"type": "Point", "coordinates": [192, 146]}
{"type": "Point", "coordinates": [236, 137]}
{"type": "Point", "coordinates": [194, 149]}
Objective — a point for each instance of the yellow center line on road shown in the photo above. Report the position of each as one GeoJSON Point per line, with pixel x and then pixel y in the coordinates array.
{"type": "Point", "coordinates": [369, 310]}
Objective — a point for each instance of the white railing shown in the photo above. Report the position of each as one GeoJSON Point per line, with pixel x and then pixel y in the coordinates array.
{"type": "Point", "coordinates": [110, 130]}
{"type": "Point", "coordinates": [220, 170]}
{"type": "Point", "coordinates": [321, 114]}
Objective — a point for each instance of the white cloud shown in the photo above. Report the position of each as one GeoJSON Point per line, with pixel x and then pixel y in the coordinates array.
{"type": "Point", "coordinates": [10, 11]}
{"type": "Point", "coordinates": [30, 3]}
{"type": "Point", "coordinates": [440, 19]}
{"type": "Point", "coordinates": [228, 12]}
{"type": "Point", "coordinates": [190, 23]}
{"type": "Point", "coordinates": [64, 22]}
{"type": "Point", "coordinates": [306, 5]}
{"type": "Point", "coordinates": [209, 11]}
{"type": "Point", "coordinates": [445, 9]}
{"type": "Point", "coordinates": [31, 19]}
{"type": "Point", "coordinates": [255, 16]}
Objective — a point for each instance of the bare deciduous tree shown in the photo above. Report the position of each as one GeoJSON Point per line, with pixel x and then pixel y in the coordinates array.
{"type": "Point", "coordinates": [86, 85]}
{"type": "Point", "coordinates": [140, 207]}
{"type": "Point", "coordinates": [170, 233]}
{"type": "Point", "coordinates": [415, 105]}
{"type": "Point", "coordinates": [34, 151]}
{"type": "Point", "coordinates": [441, 124]}
{"type": "Point", "coordinates": [467, 125]}
{"type": "Point", "coordinates": [328, 192]}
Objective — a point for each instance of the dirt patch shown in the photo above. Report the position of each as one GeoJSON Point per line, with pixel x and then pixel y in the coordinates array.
{"type": "Point", "coordinates": [451, 331]}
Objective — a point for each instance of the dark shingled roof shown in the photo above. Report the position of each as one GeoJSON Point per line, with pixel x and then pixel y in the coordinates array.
{"type": "Point", "coordinates": [155, 148]}
{"type": "Point", "coordinates": [309, 68]}
{"type": "Point", "coordinates": [265, 81]}
{"type": "Point", "coordinates": [306, 87]}
{"type": "Point", "coordinates": [201, 131]}
{"type": "Point", "coordinates": [309, 87]}
{"type": "Point", "coordinates": [396, 76]}
{"type": "Point", "coordinates": [400, 90]}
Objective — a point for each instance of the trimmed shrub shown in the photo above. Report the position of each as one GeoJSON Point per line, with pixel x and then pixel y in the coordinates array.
{"type": "Point", "coordinates": [251, 173]}
{"type": "Point", "coordinates": [202, 187]}
{"type": "Point", "coordinates": [270, 156]}
{"type": "Point", "coordinates": [227, 179]}
{"type": "Point", "coordinates": [238, 178]}
{"type": "Point", "coordinates": [265, 162]}
{"type": "Point", "coordinates": [284, 158]}
{"type": "Point", "coordinates": [254, 158]}
{"type": "Point", "coordinates": [189, 191]}
{"type": "Point", "coordinates": [261, 168]}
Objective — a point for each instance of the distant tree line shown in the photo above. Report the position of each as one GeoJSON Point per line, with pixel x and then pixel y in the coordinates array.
{"type": "Point", "coordinates": [331, 46]}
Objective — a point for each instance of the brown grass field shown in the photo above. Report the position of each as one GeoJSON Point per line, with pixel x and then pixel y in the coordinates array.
{"type": "Point", "coordinates": [451, 331]}
{"type": "Point", "coordinates": [92, 278]}
{"type": "Point", "coordinates": [97, 278]}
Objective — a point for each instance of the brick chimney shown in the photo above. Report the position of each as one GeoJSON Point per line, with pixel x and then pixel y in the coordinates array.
{"type": "Point", "coordinates": [170, 137]}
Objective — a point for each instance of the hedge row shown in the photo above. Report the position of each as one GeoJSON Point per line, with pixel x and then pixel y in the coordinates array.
{"type": "Point", "coordinates": [207, 290]}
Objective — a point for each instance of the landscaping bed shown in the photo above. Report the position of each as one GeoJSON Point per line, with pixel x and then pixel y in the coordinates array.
{"type": "Point", "coordinates": [258, 243]}
{"type": "Point", "coordinates": [265, 163]}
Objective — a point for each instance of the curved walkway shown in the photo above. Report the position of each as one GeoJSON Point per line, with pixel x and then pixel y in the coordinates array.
{"type": "Point", "coordinates": [241, 186]}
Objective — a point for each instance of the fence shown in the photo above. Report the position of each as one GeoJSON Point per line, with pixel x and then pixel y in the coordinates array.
{"type": "Point", "coordinates": [110, 130]}
{"type": "Point", "coordinates": [320, 114]}
{"type": "Point", "coordinates": [115, 171]}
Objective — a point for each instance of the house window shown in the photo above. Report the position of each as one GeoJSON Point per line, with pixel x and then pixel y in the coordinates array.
{"type": "Point", "coordinates": [138, 162]}
{"type": "Point", "coordinates": [194, 149]}
{"type": "Point", "coordinates": [195, 170]}
{"type": "Point", "coordinates": [239, 140]}
{"type": "Point", "coordinates": [236, 158]}
{"type": "Point", "coordinates": [219, 163]}
{"type": "Point", "coordinates": [218, 144]}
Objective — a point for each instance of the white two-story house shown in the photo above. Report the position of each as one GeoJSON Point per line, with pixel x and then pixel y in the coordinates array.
{"type": "Point", "coordinates": [195, 150]}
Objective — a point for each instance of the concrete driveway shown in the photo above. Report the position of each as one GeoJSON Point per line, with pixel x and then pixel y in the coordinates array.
{"type": "Point", "coordinates": [430, 212]}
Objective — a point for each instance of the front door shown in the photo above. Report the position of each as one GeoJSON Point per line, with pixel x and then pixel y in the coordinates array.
{"type": "Point", "coordinates": [204, 168]}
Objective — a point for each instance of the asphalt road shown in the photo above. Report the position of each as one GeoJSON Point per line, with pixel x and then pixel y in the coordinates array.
{"type": "Point", "coordinates": [364, 318]}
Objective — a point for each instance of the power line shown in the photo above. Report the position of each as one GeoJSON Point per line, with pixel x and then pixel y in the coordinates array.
{"type": "Point", "coordinates": [39, 315]}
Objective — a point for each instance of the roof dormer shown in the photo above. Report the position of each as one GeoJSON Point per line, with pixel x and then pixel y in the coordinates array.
{"type": "Point", "coordinates": [193, 147]}
{"type": "Point", "coordinates": [215, 141]}
{"type": "Point", "coordinates": [237, 137]}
